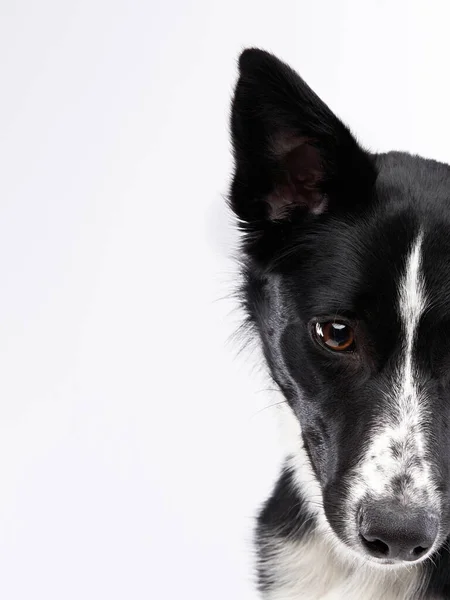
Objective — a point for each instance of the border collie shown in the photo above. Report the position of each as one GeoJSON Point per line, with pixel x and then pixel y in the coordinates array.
{"type": "Point", "coordinates": [346, 269]}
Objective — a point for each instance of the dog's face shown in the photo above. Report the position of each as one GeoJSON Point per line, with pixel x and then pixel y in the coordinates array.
{"type": "Point", "coordinates": [347, 270]}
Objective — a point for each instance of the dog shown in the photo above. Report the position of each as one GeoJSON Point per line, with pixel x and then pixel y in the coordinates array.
{"type": "Point", "coordinates": [346, 284]}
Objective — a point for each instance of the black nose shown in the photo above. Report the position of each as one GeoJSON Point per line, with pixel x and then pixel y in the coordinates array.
{"type": "Point", "coordinates": [389, 530]}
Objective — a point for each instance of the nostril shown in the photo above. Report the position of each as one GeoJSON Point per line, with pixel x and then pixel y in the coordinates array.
{"type": "Point", "coordinates": [419, 551]}
{"type": "Point", "coordinates": [376, 547]}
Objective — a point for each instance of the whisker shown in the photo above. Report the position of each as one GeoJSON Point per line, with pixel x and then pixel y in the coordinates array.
{"type": "Point", "coordinates": [269, 406]}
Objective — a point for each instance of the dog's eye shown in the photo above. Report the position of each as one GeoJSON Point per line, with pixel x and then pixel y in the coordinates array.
{"type": "Point", "coordinates": [335, 335]}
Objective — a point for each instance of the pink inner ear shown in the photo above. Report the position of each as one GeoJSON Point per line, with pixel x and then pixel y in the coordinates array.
{"type": "Point", "coordinates": [300, 174]}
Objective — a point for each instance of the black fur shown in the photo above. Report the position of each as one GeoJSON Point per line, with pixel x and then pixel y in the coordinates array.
{"type": "Point", "coordinates": [326, 226]}
{"type": "Point", "coordinates": [284, 512]}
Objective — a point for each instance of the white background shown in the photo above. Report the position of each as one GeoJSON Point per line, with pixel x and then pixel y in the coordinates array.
{"type": "Point", "coordinates": [135, 443]}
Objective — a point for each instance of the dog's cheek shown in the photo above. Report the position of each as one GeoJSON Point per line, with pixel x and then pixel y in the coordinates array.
{"type": "Point", "coordinates": [321, 449]}
{"type": "Point", "coordinates": [316, 449]}
{"type": "Point", "coordinates": [299, 360]}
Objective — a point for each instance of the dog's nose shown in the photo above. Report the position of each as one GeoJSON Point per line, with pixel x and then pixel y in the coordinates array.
{"type": "Point", "coordinates": [389, 530]}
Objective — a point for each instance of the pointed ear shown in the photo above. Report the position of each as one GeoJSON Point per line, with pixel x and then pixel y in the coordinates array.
{"type": "Point", "coordinates": [293, 156]}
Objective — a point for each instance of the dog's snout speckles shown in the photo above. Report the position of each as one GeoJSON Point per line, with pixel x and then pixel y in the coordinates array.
{"type": "Point", "coordinates": [396, 449]}
{"type": "Point", "coordinates": [395, 464]}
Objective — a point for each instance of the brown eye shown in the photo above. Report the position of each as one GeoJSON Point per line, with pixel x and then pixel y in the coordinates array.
{"type": "Point", "coordinates": [335, 335]}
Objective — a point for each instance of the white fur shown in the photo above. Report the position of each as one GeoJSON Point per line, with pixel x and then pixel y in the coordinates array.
{"type": "Point", "coordinates": [404, 420]}
{"type": "Point", "coordinates": [320, 566]}
{"type": "Point", "coordinates": [312, 570]}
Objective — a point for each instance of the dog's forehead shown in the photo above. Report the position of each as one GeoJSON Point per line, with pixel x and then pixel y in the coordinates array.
{"type": "Point", "coordinates": [356, 263]}
{"type": "Point", "coordinates": [356, 266]}
{"type": "Point", "coordinates": [362, 272]}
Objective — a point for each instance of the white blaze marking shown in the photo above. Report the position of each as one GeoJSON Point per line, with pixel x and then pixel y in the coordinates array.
{"type": "Point", "coordinates": [402, 425]}
{"type": "Point", "coordinates": [412, 304]}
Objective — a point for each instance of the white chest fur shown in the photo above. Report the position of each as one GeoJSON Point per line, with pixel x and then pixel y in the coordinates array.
{"type": "Point", "coordinates": [311, 571]}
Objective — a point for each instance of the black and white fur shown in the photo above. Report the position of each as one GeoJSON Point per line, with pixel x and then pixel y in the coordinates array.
{"type": "Point", "coordinates": [333, 232]}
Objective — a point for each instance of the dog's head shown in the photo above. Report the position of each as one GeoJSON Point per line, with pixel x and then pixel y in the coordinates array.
{"type": "Point", "coordinates": [347, 280]}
